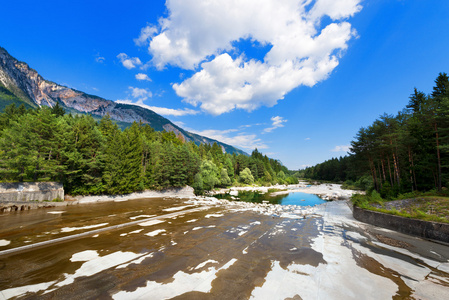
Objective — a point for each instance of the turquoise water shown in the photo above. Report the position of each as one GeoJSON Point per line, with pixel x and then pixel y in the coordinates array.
{"type": "Point", "coordinates": [298, 198]}
{"type": "Point", "coordinates": [302, 199]}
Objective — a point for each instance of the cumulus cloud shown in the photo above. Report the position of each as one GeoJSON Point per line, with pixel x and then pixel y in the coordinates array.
{"type": "Point", "coordinates": [140, 94]}
{"type": "Point", "coordinates": [145, 34]}
{"type": "Point", "coordinates": [342, 148]}
{"type": "Point", "coordinates": [129, 62]}
{"type": "Point", "coordinates": [276, 123]}
{"type": "Point", "coordinates": [161, 110]}
{"type": "Point", "coordinates": [307, 139]}
{"type": "Point", "coordinates": [142, 76]}
{"type": "Point", "coordinates": [201, 36]}
{"type": "Point", "coordinates": [233, 137]}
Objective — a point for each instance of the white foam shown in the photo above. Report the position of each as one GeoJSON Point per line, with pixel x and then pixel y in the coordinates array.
{"type": "Point", "coordinates": [136, 261]}
{"type": "Point", "coordinates": [55, 212]}
{"type": "Point", "coordinates": [4, 243]}
{"type": "Point", "coordinates": [156, 232]}
{"type": "Point", "coordinates": [205, 263]}
{"type": "Point", "coordinates": [201, 227]}
{"type": "Point", "coordinates": [152, 222]}
{"type": "Point", "coordinates": [214, 215]}
{"type": "Point", "coordinates": [96, 264]}
{"type": "Point", "coordinates": [93, 265]}
{"type": "Point", "coordinates": [132, 232]}
{"type": "Point", "coordinates": [70, 229]}
{"type": "Point", "coordinates": [182, 283]}
{"type": "Point", "coordinates": [193, 220]}
{"type": "Point", "coordinates": [141, 216]}
{"type": "Point", "coordinates": [18, 291]}
{"type": "Point", "coordinates": [84, 256]}
{"type": "Point", "coordinates": [177, 208]}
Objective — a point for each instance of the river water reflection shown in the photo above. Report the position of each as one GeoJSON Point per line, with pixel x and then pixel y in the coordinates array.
{"type": "Point", "coordinates": [295, 198]}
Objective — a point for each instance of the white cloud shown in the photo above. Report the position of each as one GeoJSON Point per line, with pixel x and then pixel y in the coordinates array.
{"type": "Point", "coordinates": [162, 110]}
{"type": "Point", "coordinates": [179, 123]}
{"type": "Point", "coordinates": [100, 59]}
{"type": "Point", "coordinates": [277, 122]}
{"type": "Point", "coordinates": [250, 125]}
{"type": "Point", "coordinates": [140, 94]}
{"type": "Point", "coordinates": [129, 62]}
{"type": "Point", "coordinates": [142, 76]}
{"type": "Point", "coordinates": [342, 148]}
{"type": "Point", "coordinates": [199, 35]}
{"type": "Point", "coordinates": [145, 34]}
{"type": "Point", "coordinates": [233, 137]}
{"type": "Point", "coordinates": [307, 139]}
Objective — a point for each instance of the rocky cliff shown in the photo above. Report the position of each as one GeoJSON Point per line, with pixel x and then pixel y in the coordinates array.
{"type": "Point", "coordinates": [21, 84]}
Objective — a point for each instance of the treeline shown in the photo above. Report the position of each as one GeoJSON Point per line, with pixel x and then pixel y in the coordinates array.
{"type": "Point", "coordinates": [402, 153]}
{"type": "Point", "coordinates": [91, 157]}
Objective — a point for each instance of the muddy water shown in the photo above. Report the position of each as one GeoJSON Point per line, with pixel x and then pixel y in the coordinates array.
{"type": "Point", "coordinates": [215, 253]}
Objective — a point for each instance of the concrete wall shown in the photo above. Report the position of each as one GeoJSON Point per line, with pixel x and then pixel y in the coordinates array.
{"type": "Point", "coordinates": [425, 229]}
{"type": "Point", "coordinates": [30, 191]}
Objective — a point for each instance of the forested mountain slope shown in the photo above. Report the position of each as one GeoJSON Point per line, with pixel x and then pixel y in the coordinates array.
{"type": "Point", "coordinates": [21, 84]}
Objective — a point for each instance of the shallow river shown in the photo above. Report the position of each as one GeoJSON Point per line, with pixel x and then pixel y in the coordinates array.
{"type": "Point", "coordinates": [173, 249]}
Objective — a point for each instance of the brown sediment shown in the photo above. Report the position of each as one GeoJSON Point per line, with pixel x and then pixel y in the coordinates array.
{"type": "Point", "coordinates": [373, 266]}
{"type": "Point", "coordinates": [392, 242]}
{"type": "Point", "coordinates": [240, 253]}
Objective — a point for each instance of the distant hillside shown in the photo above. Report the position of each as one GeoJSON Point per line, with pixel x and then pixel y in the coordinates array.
{"type": "Point", "coordinates": [21, 84]}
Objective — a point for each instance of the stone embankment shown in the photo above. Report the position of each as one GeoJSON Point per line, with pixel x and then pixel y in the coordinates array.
{"type": "Point", "coordinates": [429, 230]}
{"type": "Point", "coordinates": [16, 196]}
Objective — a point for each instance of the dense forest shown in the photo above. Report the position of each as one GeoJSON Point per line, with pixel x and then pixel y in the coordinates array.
{"type": "Point", "coordinates": [398, 154]}
{"type": "Point", "coordinates": [91, 157]}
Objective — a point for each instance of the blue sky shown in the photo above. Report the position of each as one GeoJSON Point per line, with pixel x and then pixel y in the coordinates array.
{"type": "Point", "coordinates": [296, 79]}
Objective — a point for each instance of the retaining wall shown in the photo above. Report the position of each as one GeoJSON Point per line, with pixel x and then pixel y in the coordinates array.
{"type": "Point", "coordinates": [425, 229]}
{"type": "Point", "coordinates": [30, 191]}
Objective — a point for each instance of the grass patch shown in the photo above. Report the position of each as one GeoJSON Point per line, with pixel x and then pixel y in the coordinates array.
{"type": "Point", "coordinates": [269, 191]}
{"type": "Point", "coordinates": [431, 208]}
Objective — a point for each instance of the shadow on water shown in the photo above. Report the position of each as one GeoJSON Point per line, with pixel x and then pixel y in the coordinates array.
{"type": "Point", "coordinates": [297, 198]}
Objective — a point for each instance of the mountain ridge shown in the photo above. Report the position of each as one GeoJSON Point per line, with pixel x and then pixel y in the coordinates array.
{"type": "Point", "coordinates": [19, 83]}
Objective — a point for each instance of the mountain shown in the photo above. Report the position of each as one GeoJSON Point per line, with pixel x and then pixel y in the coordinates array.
{"type": "Point", "coordinates": [21, 84]}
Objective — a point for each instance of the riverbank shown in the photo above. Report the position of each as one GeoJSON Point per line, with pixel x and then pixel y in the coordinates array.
{"type": "Point", "coordinates": [185, 192]}
{"type": "Point", "coordinates": [325, 191]}
{"type": "Point", "coordinates": [219, 251]}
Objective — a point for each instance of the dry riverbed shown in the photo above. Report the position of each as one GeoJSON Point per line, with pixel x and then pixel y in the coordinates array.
{"type": "Point", "coordinates": [204, 248]}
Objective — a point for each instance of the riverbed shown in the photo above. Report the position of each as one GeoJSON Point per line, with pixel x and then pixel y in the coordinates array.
{"type": "Point", "coordinates": [200, 248]}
